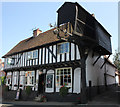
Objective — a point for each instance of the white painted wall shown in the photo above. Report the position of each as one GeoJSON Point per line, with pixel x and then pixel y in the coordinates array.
{"type": "Point", "coordinates": [111, 76]}
{"type": "Point", "coordinates": [96, 74]}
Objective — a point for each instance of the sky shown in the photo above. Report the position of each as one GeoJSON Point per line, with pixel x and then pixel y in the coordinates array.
{"type": "Point", "coordinates": [20, 18]}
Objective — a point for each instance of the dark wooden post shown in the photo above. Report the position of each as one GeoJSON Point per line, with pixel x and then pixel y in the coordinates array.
{"type": "Point", "coordinates": [105, 77]}
{"type": "Point", "coordinates": [19, 80]}
{"type": "Point", "coordinates": [83, 57]}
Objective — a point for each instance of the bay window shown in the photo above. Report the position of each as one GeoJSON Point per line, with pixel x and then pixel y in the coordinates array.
{"type": "Point", "coordinates": [64, 77]}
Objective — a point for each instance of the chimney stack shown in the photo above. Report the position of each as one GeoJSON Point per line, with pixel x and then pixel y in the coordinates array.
{"type": "Point", "coordinates": [36, 32]}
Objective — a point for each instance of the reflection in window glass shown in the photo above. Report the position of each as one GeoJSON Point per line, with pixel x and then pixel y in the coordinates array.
{"type": "Point", "coordinates": [29, 78]}
{"type": "Point", "coordinates": [63, 48]}
{"type": "Point", "coordinates": [49, 81]}
{"type": "Point", "coordinates": [30, 55]}
{"type": "Point", "coordinates": [35, 54]}
{"type": "Point", "coordinates": [63, 77]}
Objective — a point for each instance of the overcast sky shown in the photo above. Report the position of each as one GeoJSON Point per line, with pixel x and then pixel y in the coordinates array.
{"type": "Point", "coordinates": [19, 18]}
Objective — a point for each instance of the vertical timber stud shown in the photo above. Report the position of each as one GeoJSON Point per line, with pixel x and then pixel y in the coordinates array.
{"type": "Point", "coordinates": [18, 79]}
{"type": "Point", "coordinates": [83, 74]}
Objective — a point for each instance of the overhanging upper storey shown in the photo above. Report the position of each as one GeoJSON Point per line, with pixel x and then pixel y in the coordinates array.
{"type": "Point", "coordinates": [86, 27]}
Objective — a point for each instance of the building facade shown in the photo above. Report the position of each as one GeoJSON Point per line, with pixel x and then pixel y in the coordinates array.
{"type": "Point", "coordinates": [55, 64]}
{"type": "Point", "coordinates": [45, 63]}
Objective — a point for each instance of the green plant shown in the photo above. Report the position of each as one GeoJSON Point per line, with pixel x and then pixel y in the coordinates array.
{"type": "Point", "coordinates": [3, 80]}
{"type": "Point", "coordinates": [64, 90]}
{"type": "Point", "coordinates": [28, 90]}
{"type": "Point", "coordinates": [116, 59]}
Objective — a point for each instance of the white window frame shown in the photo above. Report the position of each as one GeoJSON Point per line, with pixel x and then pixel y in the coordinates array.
{"type": "Point", "coordinates": [27, 78]}
{"type": "Point", "coordinates": [50, 90]}
{"type": "Point", "coordinates": [63, 43]}
{"type": "Point", "coordinates": [31, 54]}
{"type": "Point", "coordinates": [22, 78]}
{"type": "Point", "coordinates": [10, 61]}
{"type": "Point", "coordinates": [63, 78]}
{"type": "Point", "coordinates": [9, 76]}
{"type": "Point", "coordinates": [36, 52]}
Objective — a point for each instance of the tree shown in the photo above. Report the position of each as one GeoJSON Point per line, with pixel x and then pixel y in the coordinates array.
{"type": "Point", "coordinates": [116, 60]}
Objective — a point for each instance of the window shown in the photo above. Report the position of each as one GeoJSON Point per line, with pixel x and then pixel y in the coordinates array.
{"type": "Point", "coordinates": [49, 80]}
{"type": "Point", "coordinates": [33, 54]}
{"type": "Point", "coordinates": [9, 75]}
{"type": "Point", "coordinates": [64, 77]}
{"type": "Point", "coordinates": [29, 78]}
{"type": "Point", "coordinates": [63, 48]}
{"type": "Point", "coordinates": [30, 56]}
{"type": "Point", "coordinates": [10, 61]}
{"type": "Point", "coordinates": [22, 76]}
{"type": "Point", "coordinates": [15, 78]}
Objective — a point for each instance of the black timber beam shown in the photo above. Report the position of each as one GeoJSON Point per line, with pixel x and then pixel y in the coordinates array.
{"type": "Point", "coordinates": [44, 66]}
{"type": "Point", "coordinates": [96, 60]}
{"type": "Point", "coordinates": [104, 62]}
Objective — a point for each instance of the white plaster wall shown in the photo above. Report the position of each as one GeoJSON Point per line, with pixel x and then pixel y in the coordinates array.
{"type": "Point", "coordinates": [96, 74]}
{"type": "Point", "coordinates": [111, 71]}
{"type": "Point", "coordinates": [90, 72]}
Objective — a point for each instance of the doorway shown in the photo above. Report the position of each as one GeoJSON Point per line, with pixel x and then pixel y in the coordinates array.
{"type": "Point", "coordinates": [41, 83]}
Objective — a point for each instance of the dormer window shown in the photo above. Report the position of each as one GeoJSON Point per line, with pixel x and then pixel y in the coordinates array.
{"type": "Point", "coordinates": [63, 48]}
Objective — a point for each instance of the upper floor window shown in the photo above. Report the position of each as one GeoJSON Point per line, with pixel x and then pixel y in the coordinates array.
{"type": "Point", "coordinates": [33, 54]}
{"type": "Point", "coordinates": [10, 61]}
{"type": "Point", "coordinates": [63, 48]}
{"type": "Point", "coordinates": [30, 56]}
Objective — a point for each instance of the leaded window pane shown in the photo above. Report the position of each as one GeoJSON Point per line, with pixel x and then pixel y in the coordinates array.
{"type": "Point", "coordinates": [35, 54]}
{"type": "Point", "coordinates": [63, 48]}
{"type": "Point", "coordinates": [63, 78]}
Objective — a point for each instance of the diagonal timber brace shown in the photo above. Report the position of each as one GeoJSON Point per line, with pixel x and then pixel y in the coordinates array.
{"type": "Point", "coordinates": [96, 60]}
{"type": "Point", "coordinates": [104, 62]}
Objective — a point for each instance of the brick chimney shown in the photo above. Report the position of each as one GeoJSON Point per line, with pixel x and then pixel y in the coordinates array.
{"type": "Point", "coordinates": [36, 32]}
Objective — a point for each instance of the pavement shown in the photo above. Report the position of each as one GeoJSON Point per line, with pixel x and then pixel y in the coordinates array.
{"type": "Point", "coordinates": [110, 98]}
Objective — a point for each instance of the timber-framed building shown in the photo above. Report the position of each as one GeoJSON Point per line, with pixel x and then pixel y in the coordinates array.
{"type": "Point", "coordinates": [46, 63]}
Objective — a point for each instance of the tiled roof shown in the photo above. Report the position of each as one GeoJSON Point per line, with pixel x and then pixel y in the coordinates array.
{"type": "Point", "coordinates": [32, 42]}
